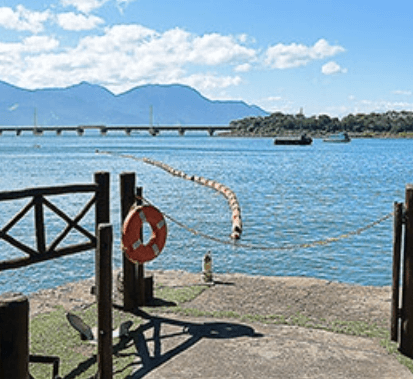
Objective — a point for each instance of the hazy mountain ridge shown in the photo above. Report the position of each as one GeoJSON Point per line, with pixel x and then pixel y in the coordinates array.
{"type": "Point", "coordinates": [86, 103]}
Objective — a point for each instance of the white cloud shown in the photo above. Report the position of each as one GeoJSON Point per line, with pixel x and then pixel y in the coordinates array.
{"type": "Point", "coordinates": [333, 68]}
{"type": "Point", "coordinates": [32, 44]}
{"type": "Point", "coordinates": [245, 67]}
{"type": "Point", "coordinates": [283, 56]}
{"type": "Point", "coordinates": [378, 106]}
{"type": "Point", "coordinates": [209, 81]}
{"type": "Point", "coordinates": [213, 49]}
{"type": "Point", "coordinates": [273, 98]}
{"type": "Point", "coordinates": [23, 19]}
{"type": "Point", "coordinates": [402, 92]}
{"type": "Point", "coordinates": [84, 6]}
{"type": "Point", "coordinates": [76, 22]}
{"type": "Point", "coordinates": [124, 56]}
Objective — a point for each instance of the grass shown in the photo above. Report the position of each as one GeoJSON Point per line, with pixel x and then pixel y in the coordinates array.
{"type": "Point", "coordinates": [51, 334]}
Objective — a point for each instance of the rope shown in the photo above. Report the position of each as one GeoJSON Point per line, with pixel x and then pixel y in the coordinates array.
{"type": "Point", "coordinates": [322, 242]}
{"type": "Point", "coordinates": [273, 248]}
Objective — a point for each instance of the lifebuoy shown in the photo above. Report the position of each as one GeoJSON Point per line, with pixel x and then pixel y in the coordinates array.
{"type": "Point", "coordinates": [133, 247]}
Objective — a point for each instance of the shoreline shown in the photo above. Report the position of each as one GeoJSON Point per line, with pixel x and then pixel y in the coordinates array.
{"type": "Point", "coordinates": [241, 293]}
{"type": "Point", "coordinates": [317, 135]}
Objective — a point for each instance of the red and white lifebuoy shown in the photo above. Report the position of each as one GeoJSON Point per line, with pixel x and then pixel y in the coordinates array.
{"type": "Point", "coordinates": [134, 248]}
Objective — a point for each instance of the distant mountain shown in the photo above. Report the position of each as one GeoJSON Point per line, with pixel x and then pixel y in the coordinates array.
{"type": "Point", "coordinates": [87, 103]}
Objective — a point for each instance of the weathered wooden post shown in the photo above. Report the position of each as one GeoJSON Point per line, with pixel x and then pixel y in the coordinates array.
{"type": "Point", "coordinates": [130, 270]}
{"type": "Point", "coordinates": [396, 267]}
{"type": "Point", "coordinates": [104, 300]}
{"type": "Point", "coordinates": [14, 336]}
{"type": "Point", "coordinates": [102, 205]}
{"type": "Point", "coordinates": [103, 274]}
{"type": "Point", "coordinates": [406, 345]}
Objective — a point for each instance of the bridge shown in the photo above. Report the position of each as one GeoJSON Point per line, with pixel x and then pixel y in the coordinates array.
{"type": "Point", "coordinates": [104, 129]}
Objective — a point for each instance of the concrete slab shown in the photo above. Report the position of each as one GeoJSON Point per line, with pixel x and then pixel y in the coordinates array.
{"type": "Point", "coordinates": [183, 348]}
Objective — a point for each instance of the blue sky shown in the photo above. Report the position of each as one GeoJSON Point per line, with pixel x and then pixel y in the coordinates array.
{"type": "Point", "coordinates": [326, 56]}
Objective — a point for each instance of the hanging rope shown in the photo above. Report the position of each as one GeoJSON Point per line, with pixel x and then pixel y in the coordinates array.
{"type": "Point", "coordinates": [275, 248]}
{"type": "Point", "coordinates": [321, 242]}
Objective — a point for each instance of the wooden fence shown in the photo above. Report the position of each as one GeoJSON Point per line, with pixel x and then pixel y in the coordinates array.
{"type": "Point", "coordinates": [402, 282]}
{"type": "Point", "coordinates": [100, 239]}
{"type": "Point", "coordinates": [42, 252]}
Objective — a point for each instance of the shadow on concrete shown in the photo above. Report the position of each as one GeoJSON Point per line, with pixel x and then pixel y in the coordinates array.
{"type": "Point", "coordinates": [151, 360]}
{"type": "Point", "coordinates": [194, 331]}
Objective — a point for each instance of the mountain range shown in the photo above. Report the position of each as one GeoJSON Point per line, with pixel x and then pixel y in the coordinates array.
{"type": "Point", "coordinates": [91, 104]}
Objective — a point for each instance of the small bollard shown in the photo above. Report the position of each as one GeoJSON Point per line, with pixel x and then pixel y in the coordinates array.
{"type": "Point", "coordinates": [14, 336]}
{"type": "Point", "coordinates": [207, 267]}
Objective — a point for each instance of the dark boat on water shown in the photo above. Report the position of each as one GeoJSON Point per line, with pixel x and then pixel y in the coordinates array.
{"type": "Point", "coordinates": [302, 140]}
{"type": "Point", "coordinates": [338, 138]}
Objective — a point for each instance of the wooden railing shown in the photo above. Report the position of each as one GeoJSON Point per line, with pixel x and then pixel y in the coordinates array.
{"type": "Point", "coordinates": [38, 201]}
{"type": "Point", "coordinates": [14, 309]}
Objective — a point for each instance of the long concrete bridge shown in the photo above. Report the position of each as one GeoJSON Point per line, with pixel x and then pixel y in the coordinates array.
{"type": "Point", "coordinates": [103, 129]}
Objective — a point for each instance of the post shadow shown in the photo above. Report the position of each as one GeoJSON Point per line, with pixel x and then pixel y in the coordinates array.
{"type": "Point", "coordinates": [195, 332]}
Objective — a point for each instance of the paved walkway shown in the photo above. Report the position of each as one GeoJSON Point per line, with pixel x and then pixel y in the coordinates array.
{"type": "Point", "coordinates": [183, 348]}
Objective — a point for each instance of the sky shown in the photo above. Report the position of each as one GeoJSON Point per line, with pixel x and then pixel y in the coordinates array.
{"type": "Point", "coordinates": [329, 57]}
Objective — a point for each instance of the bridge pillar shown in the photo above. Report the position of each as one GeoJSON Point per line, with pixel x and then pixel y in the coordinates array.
{"type": "Point", "coordinates": [181, 131]}
{"type": "Point", "coordinates": [104, 131]}
{"type": "Point", "coordinates": [37, 131]}
{"type": "Point", "coordinates": [18, 132]}
{"type": "Point", "coordinates": [128, 131]}
{"type": "Point", "coordinates": [58, 132]}
{"type": "Point", "coordinates": [80, 131]}
{"type": "Point", "coordinates": [154, 132]}
{"type": "Point", "coordinates": [211, 132]}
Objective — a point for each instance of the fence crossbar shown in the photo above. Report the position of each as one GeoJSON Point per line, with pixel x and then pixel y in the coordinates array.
{"type": "Point", "coordinates": [41, 252]}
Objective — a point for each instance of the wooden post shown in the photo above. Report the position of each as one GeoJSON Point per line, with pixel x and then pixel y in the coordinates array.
{"type": "Point", "coordinates": [39, 225]}
{"type": "Point", "coordinates": [130, 270]}
{"type": "Point", "coordinates": [102, 207]}
{"type": "Point", "coordinates": [14, 336]}
{"type": "Point", "coordinates": [406, 345]}
{"type": "Point", "coordinates": [396, 266]}
{"type": "Point", "coordinates": [140, 301]}
{"type": "Point", "coordinates": [104, 299]}
{"type": "Point", "coordinates": [102, 211]}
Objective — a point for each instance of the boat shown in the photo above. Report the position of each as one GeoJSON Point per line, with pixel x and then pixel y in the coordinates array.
{"type": "Point", "coordinates": [340, 137]}
{"type": "Point", "coordinates": [302, 140]}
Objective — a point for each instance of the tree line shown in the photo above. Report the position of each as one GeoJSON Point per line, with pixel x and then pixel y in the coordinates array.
{"type": "Point", "coordinates": [391, 123]}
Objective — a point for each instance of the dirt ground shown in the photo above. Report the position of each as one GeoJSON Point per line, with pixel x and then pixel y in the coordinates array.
{"type": "Point", "coordinates": [252, 295]}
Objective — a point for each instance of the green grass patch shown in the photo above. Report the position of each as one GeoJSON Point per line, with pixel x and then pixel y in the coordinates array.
{"type": "Point", "coordinates": [178, 295]}
{"type": "Point", "coordinates": [51, 335]}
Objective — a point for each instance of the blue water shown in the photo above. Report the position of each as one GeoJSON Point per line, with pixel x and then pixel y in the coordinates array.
{"type": "Point", "coordinates": [288, 195]}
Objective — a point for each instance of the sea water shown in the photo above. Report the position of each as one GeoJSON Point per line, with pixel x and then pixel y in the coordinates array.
{"type": "Point", "coordinates": [289, 195]}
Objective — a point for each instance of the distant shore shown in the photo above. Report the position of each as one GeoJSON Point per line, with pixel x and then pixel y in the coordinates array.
{"type": "Point", "coordinates": [318, 135]}
{"type": "Point", "coordinates": [391, 124]}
